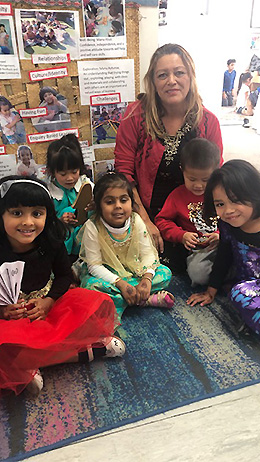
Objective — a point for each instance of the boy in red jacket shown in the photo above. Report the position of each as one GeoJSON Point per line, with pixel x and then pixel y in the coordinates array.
{"type": "Point", "coordinates": [181, 219]}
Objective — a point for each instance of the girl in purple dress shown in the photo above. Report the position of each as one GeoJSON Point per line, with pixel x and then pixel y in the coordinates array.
{"type": "Point", "coordinates": [233, 193]}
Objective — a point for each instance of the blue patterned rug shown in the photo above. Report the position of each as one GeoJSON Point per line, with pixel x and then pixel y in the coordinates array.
{"type": "Point", "coordinates": [173, 358]}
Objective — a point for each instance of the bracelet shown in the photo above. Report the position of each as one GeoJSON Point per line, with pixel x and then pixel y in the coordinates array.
{"type": "Point", "coordinates": [149, 279]}
{"type": "Point", "coordinates": [117, 280]}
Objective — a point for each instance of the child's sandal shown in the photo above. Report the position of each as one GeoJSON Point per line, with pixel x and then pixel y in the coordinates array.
{"type": "Point", "coordinates": [162, 299]}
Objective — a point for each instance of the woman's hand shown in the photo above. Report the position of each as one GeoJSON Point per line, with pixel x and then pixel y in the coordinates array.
{"type": "Point", "coordinates": [127, 291]}
{"type": "Point", "coordinates": [190, 240]}
{"type": "Point", "coordinates": [156, 236]}
{"type": "Point", "coordinates": [69, 218]}
{"type": "Point", "coordinates": [143, 290]}
{"type": "Point", "coordinates": [40, 308]}
{"type": "Point", "coordinates": [13, 311]}
{"type": "Point", "coordinates": [204, 298]}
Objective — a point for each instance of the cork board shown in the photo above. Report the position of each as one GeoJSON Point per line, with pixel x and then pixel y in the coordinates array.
{"type": "Point", "coordinates": [23, 93]}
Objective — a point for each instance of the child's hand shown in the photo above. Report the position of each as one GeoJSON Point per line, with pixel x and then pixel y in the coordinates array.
{"type": "Point", "coordinates": [211, 241]}
{"type": "Point", "coordinates": [13, 311]}
{"type": "Point", "coordinates": [143, 290]}
{"type": "Point", "coordinates": [204, 298]}
{"type": "Point", "coordinates": [127, 291]}
{"type": "Point", "coordinates": [90, 206]}
{"type": "Point", "coordinates": [17, 118]}
{"type": "Point", "coordinates": [40, 309]}
{"type": "Point", "coordinates": [69, 218]}
{"type": "Point", "coordinates": [190, 240]}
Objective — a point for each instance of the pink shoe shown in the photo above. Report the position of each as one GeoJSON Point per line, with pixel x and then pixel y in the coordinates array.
{"type": "Point", "coordinates": [162, 299]}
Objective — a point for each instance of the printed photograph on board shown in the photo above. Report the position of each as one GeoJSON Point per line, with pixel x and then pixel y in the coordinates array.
{"type": "Point", "coordinates": [11, 125]}
{"type": "Point", "coordinates": [58, 117]}
{"type": "Point", "coordinates": [47, 32]}
{"type": "Point", "coordinates": [102, 167]}
{"type": "Point", "coordinates": [26, 165]}
{"type": "Point", "coordinates": [104, 18]}
{"type": "Point", "coordinates": [105, 121]}
{"type": "Point", "coordinates": [6, 37]}
{"type": "Point", "coordinates": [10, 66]}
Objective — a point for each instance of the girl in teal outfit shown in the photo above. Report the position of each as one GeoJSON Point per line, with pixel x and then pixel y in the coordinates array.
{"type": "Point", "coordinates": [65, 167]}
{"type": "Point", "coordinates": [118, 254]}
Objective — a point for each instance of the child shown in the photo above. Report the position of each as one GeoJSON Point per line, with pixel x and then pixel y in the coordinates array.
{"type": "Point", "coordinates": [27, 166]}
{"type": "Point", "coordinates": [49, 99]}
{"type": "Point", "coordinates": [180, 220]}
{"type": "Point", "coordinates": [117, 250]}
{"type": "Point", "coordinates": [49, 324]}
{"type": "Point", "coordinates": [228, 83]}
{"type": "Point", "coordinates": [243, 92]}
{"type": "Point", "coordinates": [65, 166]}
{"type": "Point", "coordinates": [233, 193]}
{"type": "Point", "coordinates": [8, 121]}
{"type": "Point", "coordinates": [4, 41]}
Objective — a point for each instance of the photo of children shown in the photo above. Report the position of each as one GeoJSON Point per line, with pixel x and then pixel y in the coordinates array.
{"type": "Point", "coordinates": [11, 124]}
{"type": "Point", "coordinates": [105, 121]}
{"type": "Point", "coordinates": [6, 47]}
{"type": "Point", "coordinates": [104, 18]}
{"type": "Point", "coordinates": [102, 167]}
{"type": "Point", "coordinates": [47, 32]}
{"type": "Point", "coordinates": [26, 164]}
{"type": "Point", "coordinates": [89, 171]}
{"type": "Point", "coordinates": [58, 117]}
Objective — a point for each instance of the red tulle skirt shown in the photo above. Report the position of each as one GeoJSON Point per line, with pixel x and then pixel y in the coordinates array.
{"type": "Point", "coordinates": [79, 319]}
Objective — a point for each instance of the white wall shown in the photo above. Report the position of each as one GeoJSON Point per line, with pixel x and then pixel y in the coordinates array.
{"type": "Point", "coordinates": [148, 35]}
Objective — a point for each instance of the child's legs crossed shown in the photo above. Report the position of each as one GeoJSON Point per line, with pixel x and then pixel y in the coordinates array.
{"type": "Point", "coordinates": [161, 279]}
{"type": "Point", "coordinates": [199, 265]}
{"type": "Point", "coordinates": [92, 283]}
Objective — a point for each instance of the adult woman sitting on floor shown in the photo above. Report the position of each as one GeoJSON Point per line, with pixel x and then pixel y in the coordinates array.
{"type": "Point", "coordinates": [157, 126]}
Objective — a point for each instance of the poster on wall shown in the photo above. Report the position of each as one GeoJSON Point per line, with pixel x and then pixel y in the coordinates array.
{"type": "Point", "coordinates": [47, 32]}
{"type": "Point", "coordinates": [111, 81]}
{"type": "Point", "coordinates": [105, 121]}
{"type": "Point", "coordinates": [104, 26]}
{"type": "Point", "coordinates": [11, 124]}
{"type": "Point", "coordinates": [9, 62]}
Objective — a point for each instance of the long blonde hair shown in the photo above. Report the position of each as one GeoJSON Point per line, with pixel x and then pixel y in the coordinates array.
{"type": "Point", "coordinates": [151, 101]}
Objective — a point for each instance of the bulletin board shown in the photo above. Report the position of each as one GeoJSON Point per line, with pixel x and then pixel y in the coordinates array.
{"type": "Point", "coordinates": [23, 93]}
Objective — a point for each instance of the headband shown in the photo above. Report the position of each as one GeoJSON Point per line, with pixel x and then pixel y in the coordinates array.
{"type": "Point", "coordinates": [6, 185]}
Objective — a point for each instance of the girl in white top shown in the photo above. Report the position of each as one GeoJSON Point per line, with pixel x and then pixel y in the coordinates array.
{"type": "Point", "coordinates": [118, 254]}
{"type": "Point", "coordinates": [243, 92]}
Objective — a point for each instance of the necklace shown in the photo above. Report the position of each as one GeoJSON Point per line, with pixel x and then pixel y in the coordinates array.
{"type": "Point", "coordinates": [172, 143]}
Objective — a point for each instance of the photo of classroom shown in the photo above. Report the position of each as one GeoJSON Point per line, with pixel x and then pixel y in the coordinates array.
{"type": "Point", "coordinates": [130, 230]}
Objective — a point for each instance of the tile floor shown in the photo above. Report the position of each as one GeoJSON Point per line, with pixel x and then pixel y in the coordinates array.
{"type": "Point", "coordinates": [221, 429]}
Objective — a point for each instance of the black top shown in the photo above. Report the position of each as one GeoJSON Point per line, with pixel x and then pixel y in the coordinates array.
{"type": "Point", "coordinates": [39, 264]}
{"type": "Point", "coordinates": [238, 249]}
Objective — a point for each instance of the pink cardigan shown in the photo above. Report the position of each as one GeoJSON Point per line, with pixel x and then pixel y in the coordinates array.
{"type": "Point", "coordinates": [139, 157]}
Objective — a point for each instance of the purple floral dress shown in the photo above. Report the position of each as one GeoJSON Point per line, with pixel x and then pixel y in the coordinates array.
{"type": "Point", "coordinates": [245, 294]}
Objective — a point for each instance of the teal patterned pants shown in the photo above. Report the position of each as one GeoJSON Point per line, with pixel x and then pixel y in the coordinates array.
{"type": "Point", "coordinates": [161, 280]}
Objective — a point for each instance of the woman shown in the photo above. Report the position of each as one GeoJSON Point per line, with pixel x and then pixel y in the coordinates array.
{"type": "Point", "coordinates": [157, 126]}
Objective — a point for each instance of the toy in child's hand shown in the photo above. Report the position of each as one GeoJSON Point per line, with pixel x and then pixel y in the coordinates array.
{"type": "Point", "coordinates": [82, 200]}
{"type": "Point", "coordinates": [202, 239]}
